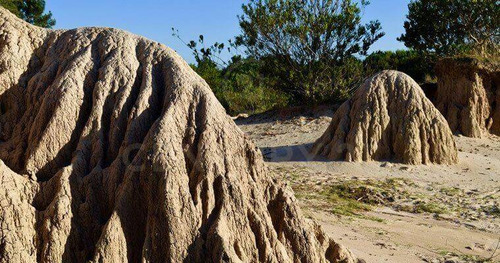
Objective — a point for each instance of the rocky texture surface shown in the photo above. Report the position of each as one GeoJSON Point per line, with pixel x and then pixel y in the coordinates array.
{"type": "Point", "coordinates": [468, 95]}
{"type": "Point", "coordinates": [388, 118]}
{"type": "Point", "coordinates": [113, 150]}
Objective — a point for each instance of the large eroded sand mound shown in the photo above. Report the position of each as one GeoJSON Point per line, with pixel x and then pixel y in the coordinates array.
{"type": "Point", "coordinates": [388, 118]}
{"type": "Point", "coordinates": [468, 95]}
{"type": "Point", "coordinates": [113, 150]}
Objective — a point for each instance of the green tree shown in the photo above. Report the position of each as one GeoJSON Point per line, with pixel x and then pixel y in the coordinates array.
{"type": "Point", "coordinates": [302, 43]}
{"type": "Point", "coordinates": [32, 11]}
{"type": "Point", "coordinates": [448, 27]}
{"type": "Point", "coordinates": [10, 5]}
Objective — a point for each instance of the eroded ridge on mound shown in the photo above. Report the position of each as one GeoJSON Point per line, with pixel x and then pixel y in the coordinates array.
{"type": "Point", "coordinates": [468, 95]}
{"type": "Point", "coordinates": [113, 150]}
{"type": "Point", "coordinates": [388, 118]}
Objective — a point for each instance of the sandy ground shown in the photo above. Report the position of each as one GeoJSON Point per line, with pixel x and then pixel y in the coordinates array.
{"type": "Point", "coordinates": [466, 229]}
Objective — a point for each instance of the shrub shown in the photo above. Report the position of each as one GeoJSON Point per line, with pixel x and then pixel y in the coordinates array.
{"type": "Point", "coordinates": [239, 86]}
{"type": "Point", "coordinates": [416, 64]}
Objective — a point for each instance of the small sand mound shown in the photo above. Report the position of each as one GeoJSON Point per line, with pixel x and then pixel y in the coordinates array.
{"type": "Point", "coordinates": [113, 150]}
{"type": "Point", "coordinates": [468, 95]}
{"type": "Point", "coordinates": [388, 118]}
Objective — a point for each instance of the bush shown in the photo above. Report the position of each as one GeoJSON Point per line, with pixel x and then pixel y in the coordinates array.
{"type": "Point", "coordinates": [239, 86]}
{"type": "Point", "coordinates": [347, 78]}
{"type": "Point", "coordinates": [255, 85]}
{"type": "Point", "coordinates": [253, 100]}
{"type": "Point", "coordinates": [417, 65]}
{"type": "Point", "coordinates": [209, 71]}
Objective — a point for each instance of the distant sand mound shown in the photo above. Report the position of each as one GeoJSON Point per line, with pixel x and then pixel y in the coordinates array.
{"type": "Point", "coordinates": [468, 95]}
{"type": "Point", "coordinates": [388, 118]}
{"type": "Point", "coordinates": [113, 150]}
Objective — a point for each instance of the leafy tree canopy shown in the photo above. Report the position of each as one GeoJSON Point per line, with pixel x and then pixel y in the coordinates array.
{"type": "Point", "coordinates": [447, 27]}
{"type": "Point", "coordinates": [306, 40]}
{"type": "Point", "coordinates": [32, 11]}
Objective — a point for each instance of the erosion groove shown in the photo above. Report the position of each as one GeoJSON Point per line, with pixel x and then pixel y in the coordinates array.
{"type": "Point", "coordinates": [113, 150]}
{"type": "Point", "coordinates": [468, 95]}
{"type": "Point", "coordinates": [388, 119]}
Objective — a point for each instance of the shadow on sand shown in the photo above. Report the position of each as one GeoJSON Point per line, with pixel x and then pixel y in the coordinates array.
{"type": "Point", "coordinates": [290, 153]}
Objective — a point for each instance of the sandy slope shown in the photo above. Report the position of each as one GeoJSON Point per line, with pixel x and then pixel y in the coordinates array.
{"type": "Point", "coordinates": [396, 236]}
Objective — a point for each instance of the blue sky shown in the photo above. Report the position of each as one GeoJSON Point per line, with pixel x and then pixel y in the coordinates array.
{"type": "Point", "coordinates": [215, 19]}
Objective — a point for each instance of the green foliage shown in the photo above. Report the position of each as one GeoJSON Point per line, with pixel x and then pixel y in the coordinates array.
{"type": "Point", "coordinates": [429, 207]}
{"type": "Point", "coordinates": [450, 191]}
{"type": "Point", "coordinates": [31, 11]}
{"type": "Point", "coordinates": [209, 71]}
{"type": "Point", "coordinates": [345, 206]}
{"type": "Point", "coordinates": [296, 52]}
{"type": "Point", "coordinates": [239, 86]}
{"type": "Point", "coordinates": [254, 99]}
{"type": "Point", "coordinates": [416, 64]}
{"type": "Point", "coordinates": [369, 191]}
{"type": "Point", "coordinates": [299, 52]}
{"type": "Point", "coordinates": [10, 5]}
{"type": "Point", "coordinates": [302, 44]}
{"type": "Point", "coordinates": [249, 92]}
{"type": "Point", "coordinates": [450, 27]}
{"type": "Point", "coordinates": [353, 197]}
{"type": "Point", "coordinates": [467, 258]}
{"type": "Point", "coordinates": [346, 78]}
